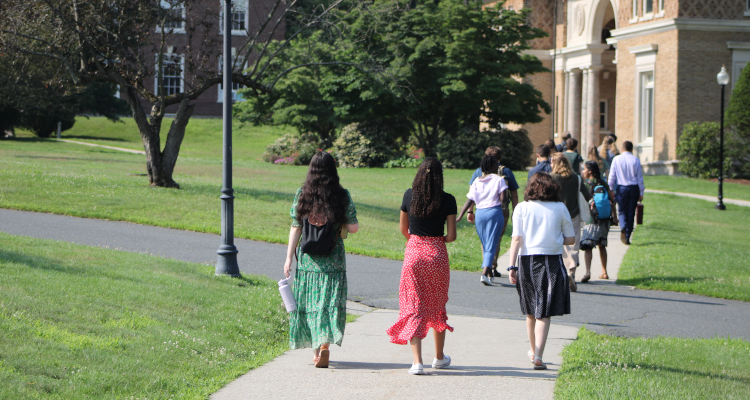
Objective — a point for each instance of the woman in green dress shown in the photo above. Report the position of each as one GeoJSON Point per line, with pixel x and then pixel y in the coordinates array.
{"type": "Point", "coordinates": [320, 280]}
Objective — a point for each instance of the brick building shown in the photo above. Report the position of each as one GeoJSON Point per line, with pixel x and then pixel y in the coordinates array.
{"type": "Point", "coordinates": [197, 33]}
{"type": "Point", "coordinates": [639, 68]}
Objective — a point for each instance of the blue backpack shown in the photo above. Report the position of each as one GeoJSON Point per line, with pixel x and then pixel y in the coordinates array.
{"type": "Point", "coordinates": [601, 201]}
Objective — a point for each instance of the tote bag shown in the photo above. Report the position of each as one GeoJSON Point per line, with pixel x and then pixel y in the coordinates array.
{"type": "Point", "coordinates": [583, 205]}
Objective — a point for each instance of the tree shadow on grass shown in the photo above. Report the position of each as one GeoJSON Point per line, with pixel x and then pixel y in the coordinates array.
{"type": "Point", "coordinates": [120, 161]}
{"type": "Point", "coordinates": [382, 213]}
{"type": "Point", "coordinates": [674, 370]}
{"type": "Point", "coordinates": [53, 265]}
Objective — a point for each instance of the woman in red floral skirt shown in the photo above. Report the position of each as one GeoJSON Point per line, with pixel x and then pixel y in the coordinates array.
{"type": "Point", "coordinates": [425, 276]}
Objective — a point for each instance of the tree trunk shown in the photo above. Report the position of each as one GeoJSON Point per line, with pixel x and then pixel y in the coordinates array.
{"type": "Point", "coordinates": [150, 129]}
{"type": "Point", "coordinates": [175, 136]}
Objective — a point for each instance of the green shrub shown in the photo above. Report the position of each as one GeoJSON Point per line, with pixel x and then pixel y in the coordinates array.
{"type": "Point", "coordinates": [738, 118]}
{"type": "Point", "coordinates": [292, 149]}
{"type": "Point", "coordinates": [698, 150]}
{"type": "Point", "coordinates": [467, 149]}
{"type": "Point", "coordinates": [367, 144]}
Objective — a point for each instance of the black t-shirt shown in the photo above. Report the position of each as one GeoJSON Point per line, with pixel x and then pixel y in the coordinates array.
{"type": "Point", "coordinates": [433, 226]}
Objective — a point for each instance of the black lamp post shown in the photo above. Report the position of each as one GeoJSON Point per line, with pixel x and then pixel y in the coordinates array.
{"type": "Point", "coordinates": [723, 79]}
{"type": "Point", "coordinates": [227, 264]}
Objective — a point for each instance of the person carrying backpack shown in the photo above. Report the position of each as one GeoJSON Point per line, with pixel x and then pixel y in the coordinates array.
{"type": "Point", "coordinates": [603, 214]}
{"type": "Point", "coordinates": [322, 213]}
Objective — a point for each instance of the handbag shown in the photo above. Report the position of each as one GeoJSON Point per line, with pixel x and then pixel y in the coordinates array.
{"type": "Point", "coordinates": [583, 205]}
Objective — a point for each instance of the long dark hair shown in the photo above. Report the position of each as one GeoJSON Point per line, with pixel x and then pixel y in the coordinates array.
{"type": "Point", "coordinates": [593, 167]}
{"type": "Point", "coordinates": [427, 189]}
{"type": "Point", "coordinates": [322, 195]}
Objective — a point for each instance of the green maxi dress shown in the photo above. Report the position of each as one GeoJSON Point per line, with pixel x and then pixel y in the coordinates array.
{"type": "Point", "coordinates": [320, 289]}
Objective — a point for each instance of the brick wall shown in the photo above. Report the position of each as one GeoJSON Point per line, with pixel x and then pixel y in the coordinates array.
{"type": "Point", "coordinates": [665, 93]}
{"type": "Point", "coordinates": [205, 46]}
{"type": "Point", "coordinates": [701, 55]}
{"type": "Point", "coordinates": [540, 132]}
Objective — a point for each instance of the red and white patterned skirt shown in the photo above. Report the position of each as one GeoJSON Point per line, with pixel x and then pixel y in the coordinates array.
{"type": "Point", "coordinates": [423, 290]}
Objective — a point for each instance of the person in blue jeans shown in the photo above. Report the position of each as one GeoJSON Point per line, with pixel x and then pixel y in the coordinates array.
{"type": "Point", "coordinates": [627, 175]}
{"type": "Point", "coordinates": [510, 179]}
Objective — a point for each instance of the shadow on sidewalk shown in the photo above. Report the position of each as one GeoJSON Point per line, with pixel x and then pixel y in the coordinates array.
{"type": "Point", "coordinates": [464, 370]}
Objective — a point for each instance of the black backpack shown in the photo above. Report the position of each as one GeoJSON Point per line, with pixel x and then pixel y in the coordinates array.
{"type": "Point", "coordinates": [318, 240]}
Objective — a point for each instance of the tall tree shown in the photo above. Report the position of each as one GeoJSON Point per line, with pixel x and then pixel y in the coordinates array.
{"type": "Point", "coordinates": [738, 118]}
{"type": "Point", "coordinates": [127, 42]}
{"type": "Point", "coordinates": [446, 66]}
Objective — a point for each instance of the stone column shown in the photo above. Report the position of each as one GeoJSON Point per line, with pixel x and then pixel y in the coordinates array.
{"type": "Point", "coordinates": [574, 110]}
{"type": "Point", "coordinates": [582, 134]}
{"type": "Point", "coordinates": [566, 102]}
{"type": "Point", "coordinates": [592, 128]}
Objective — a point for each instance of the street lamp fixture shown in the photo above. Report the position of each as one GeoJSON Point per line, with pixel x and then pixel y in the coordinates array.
{"type": "Point", "coordinates": [227, 264]}
{"type": "Point", "coordinates": [723, 79]}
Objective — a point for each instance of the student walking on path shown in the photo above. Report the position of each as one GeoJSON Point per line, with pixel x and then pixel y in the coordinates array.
{"type": "Point", "coordinates": [604, 212]}
{"type": "Point", "coordinates": [574, 158]}
{"type": "Point", "coordinates": [488, 192]}
{"type": "Point", "coordinates": [425, 276]}
{"type": "Point", "coordinates": [542, 161]}
{"type": "Point", "coordinates": [510, 179]}
{"type": "Point", "coordinates": [541, 226]}
{"type": "Point", "coordinates": [570, 185]}
{"type": "Point", "coordinates": [593, 155]}
{"type": "Point", "coordinates": [608, 149]}
{"type": "Point", "coordinates": [321, 206]}
{"type": "Point", "coordinates": [626, 175]}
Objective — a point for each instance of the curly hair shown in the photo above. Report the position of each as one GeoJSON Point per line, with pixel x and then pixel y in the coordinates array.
{"type": "Point", "coordinates": [542, 187]}
{"type": "Point", "coordinates": [489, 164]}
{"type": "Point", "coordinates": [561, 165]}
{"type": "Point", "coordinates": [427, 189]}
{"type": "Point", "coordinates": [322, 196]}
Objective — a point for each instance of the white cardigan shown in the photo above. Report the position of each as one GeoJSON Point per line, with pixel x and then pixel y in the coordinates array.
{"type": "Point", "coordinates": [542, 224]}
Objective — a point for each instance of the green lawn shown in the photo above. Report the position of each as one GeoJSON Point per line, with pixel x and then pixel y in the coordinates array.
{"type": "Point", "coordinates": [608, 367]}
{"type": "Point", "coordinates": [687, 246]}
{"type": "Point", "coordinates": [63, 178]}
{"type": "Point", "coordinates": [697, 186]}
{"type": "Point", "coordinates": [203, 136]}
{"type": "Point", "coordinates": [80, 322]}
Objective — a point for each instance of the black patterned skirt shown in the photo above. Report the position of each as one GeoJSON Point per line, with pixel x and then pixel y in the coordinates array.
{"type": "Point", "coordinates": [543, 286]}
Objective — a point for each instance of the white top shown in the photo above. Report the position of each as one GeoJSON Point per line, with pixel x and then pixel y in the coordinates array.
{"type": "Point", "coordinates": [485, 191]}
{"type": "Point", "coordinates": [542, 224]}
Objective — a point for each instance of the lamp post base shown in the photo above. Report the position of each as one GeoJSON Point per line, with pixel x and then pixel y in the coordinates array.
{"type": "Point", "coordinates": [720, 206]}
{"type": "Point", "coordinates": [227, 264]}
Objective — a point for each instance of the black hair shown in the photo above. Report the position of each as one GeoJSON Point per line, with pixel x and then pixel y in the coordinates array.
{"type": "Point", "coordinates": [488, 164]}
{"type": "Point", "coordinates": [628, 146]}
{"type": "Point", "coordinates": [427, 189]}
{"type": "Point", "coordinates": [322, 196]}
{"type": "Point", "coordinates": [596, 173]}
{"type": "Point", "coordinates": [543, 151]}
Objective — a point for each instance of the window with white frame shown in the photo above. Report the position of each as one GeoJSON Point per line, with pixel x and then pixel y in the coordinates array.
{"type": "Point", "coordinates": [239, 17]}
{"type": "Point", "coordinates": [236, 96]}
{"type": "Point", "coordinates": [172, 17]}
{"type": "Point", "coordinates": [661, 5]}
{"type": "Point", "coordinates": [635, 8]}
{"type": "Point", "coordinates": [747, 8]}
{"type": "Point", "coordinates": [172, 74]}
{"type": "Point", "coordinates": [648, 7]}
{"type": "Point", "coordinates": [647, 105]}
{"type": "Point", "coordinates": [603, 111]}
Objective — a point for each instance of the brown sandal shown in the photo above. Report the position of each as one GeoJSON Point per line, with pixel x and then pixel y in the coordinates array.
{"type": "Point", "coordinates": [604, 276]}
{"type": "Point", "coordinates": [585, 278]}
{"type": "Point", "coordinates": [323, 359]}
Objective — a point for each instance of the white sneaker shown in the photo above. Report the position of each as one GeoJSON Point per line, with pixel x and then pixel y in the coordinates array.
{"type": "Point", "coordinates": [417, 369]}
{"type": "Point", "coordinates": [445, 362]}
{"type": "Point", "coordinates": [485, 280]}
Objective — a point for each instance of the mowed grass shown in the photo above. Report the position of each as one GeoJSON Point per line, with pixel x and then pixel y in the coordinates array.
{"type": "Point", "coordinates": [79, 322]}
{"type": "Point", "coordinates": [697, 186]}
{"type": "Point", "coordinates": [63, 178]}
{"type": "Point", "coordinates": [608, 367]}
{"type": "Point", "coordinates": [203, 136]}
{"type": "Point", "coordinates": [687, 246]}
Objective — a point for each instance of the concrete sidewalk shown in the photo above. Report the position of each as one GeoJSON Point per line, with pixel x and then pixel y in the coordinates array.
{"type": "Point", "coordinates": [488, 355]}
{"type": "Point", "coordinates": [743, 203]}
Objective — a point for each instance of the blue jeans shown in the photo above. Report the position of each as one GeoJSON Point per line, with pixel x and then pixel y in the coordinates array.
{"type": "Point", "coordinates": [627, 201]}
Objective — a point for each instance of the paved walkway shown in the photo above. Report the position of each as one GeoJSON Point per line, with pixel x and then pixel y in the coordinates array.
{"type": "Point", "coordinates": [368, 365]}
{"type": "Point", "coordinates": [101, 145]}
{"type": "Point", "coordinates": [714, 199]}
